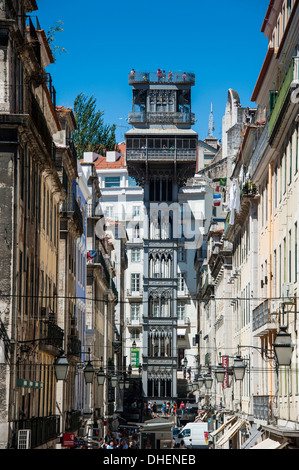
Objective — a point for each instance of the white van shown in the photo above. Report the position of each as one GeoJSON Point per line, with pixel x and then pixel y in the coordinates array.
{"type": "Point", "coordinates": [195, 435]}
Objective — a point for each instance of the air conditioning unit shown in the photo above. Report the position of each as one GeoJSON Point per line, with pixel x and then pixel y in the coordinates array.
{"type": "Point", "coordinates": [287, 290]}
{"type": "Point", "coordinates": [24, 439]}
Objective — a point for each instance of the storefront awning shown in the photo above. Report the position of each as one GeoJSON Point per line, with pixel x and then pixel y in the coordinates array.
{"type": "Point", "coordinates": [222, 427]}
{"type": "Point", "coordinates": [231, 432]}
{"type": "Point", "coordinates": [269, 444]}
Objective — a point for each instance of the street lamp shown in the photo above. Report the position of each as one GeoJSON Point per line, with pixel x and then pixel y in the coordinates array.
{"type": "Point", "coordinates": [283, 347]}
{"type": "Point", "coordinates": [61, 366]}
{"type": "Point", "coordinates": [114, 380]}
{"type": "Point", "coordinates": [220, 373]}
{"type": "Point", "coordinates": [88, 372]}
{"type": "Point", "coordinates": [208, 381]}
{"type": "Point", "coordinates": [239, 368]}
{"type": "Point", "coordinates": [101, 376]}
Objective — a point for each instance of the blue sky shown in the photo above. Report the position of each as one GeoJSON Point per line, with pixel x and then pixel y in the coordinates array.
{"type": "Point", "coordinates": [220, 41]}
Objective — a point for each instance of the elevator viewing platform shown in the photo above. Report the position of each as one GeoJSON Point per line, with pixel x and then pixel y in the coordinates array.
{"type": "Point", "coordinates": [161, 119]}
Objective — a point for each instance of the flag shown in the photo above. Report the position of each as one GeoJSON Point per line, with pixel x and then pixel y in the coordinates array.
{"type": "Point", "coordinates": [217, 199]}
{"type": "Point", "coordinates": [222, 181]}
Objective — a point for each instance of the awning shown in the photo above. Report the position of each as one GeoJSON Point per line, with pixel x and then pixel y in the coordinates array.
{"type": "Point", "coordinates": [231, 432]}
{"type": "Point", "coordinates": [252, 439]}
{"type": "Point", "coordinates": [270, 444]}
{"type": "Point", "coordinates": [222, 427]}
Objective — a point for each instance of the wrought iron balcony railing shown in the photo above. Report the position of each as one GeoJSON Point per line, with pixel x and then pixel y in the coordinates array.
{"type": "Point", "coordinates": [72, 206]}
{"type": "Point", "coordinates": [43, 429]}
{"type": "Point", "coordinates": [263, 407]}
{"type": "Point", "coordinates": [51, 334]}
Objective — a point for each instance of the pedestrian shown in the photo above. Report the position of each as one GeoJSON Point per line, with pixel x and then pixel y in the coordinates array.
{"type": "Point", "coordinates": [132, 74]}
{"type": "Point", "coordinates": [125, 444]}
{"type": "Point", "coordinates": [188, 407]}
{"type": "Point", "coordinates": [155, 410]}
{"type": "Point", "coordinates": [159, 74]}
{"type": "Point", "coordinates": [175, 406]}
{"type": "Point", "coordinates": [163, 409]}
{"type": "Point", "coordinates": [182, 407]}
{"type": "Point", "coordinates": [182, 445]}
{"type": "Point", "coordinates": [111, 445]}
{"type": "Point", "coordinates": [184, 76]}
{"type": "Point", "coordinates": [164, 75]}
{"type": "Point", "coordinates": [170, 76]}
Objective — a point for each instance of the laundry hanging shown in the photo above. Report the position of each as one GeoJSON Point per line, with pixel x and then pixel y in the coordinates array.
{"type": "Point", "coordinates": [234, 201]}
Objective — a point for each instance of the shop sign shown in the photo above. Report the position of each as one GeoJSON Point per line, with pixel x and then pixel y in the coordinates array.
{"type": "Point", "coordinates": [68, 439]}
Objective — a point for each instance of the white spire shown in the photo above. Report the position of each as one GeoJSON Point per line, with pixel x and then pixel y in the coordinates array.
{"type": "Point", "coordinates": [211, 122]}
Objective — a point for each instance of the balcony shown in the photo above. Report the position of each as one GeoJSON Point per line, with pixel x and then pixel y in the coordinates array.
{"type": "Point", "coordinates": [156, 118]}
{"type": "Point", "coordinates": [71, 208]}
{"type": "Point", "coordinates": [263, 407]}
{"type": "Point", "coordinates": [73, 151]}
{"type": "Point", "coordinates": [131, 294]}
{"type": "Point", "coordinates": [94, 211]}
{"type": "Point", "coordinates": [43, 429]}
{"type": "Point", "coordinates": [134, 322]}
{"type": "Point", "coordinates": [177, 78]}
{"type": "Point", "coordinates": [160, 361]}
{"type": "Point", "coordinates": [51, 334]}
{"type": "Point", "coordinates": [261, 319]}
{"type": "Point", "coordinates": [161, 154]}
{"type": "Point", "coordinates": [283, 97]}
{"type": "Point", "coordinates": [74, 346]}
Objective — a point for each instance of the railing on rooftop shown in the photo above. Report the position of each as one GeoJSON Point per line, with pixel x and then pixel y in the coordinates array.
{"type": "Point", "coordinates": [165, 77]}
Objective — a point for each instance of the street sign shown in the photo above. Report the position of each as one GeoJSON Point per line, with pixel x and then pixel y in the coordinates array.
{"type": "Point", "coordinates": [135, 357]}
{"type": "Point", "coordinates": [68, 439]}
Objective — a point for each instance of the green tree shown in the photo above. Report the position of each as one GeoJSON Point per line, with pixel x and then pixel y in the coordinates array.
{"type": "Point", "coordinates": [92, 134]}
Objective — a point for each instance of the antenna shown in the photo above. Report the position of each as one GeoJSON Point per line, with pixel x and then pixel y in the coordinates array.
{"type": "Point", "coordinates": [211, 122]}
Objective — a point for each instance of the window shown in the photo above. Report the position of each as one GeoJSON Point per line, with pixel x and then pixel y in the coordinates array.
{"type": "Point", "coordinates": [181, 311]}
{"type": "Point", "coordinates": [136, 233]}
{"type": "Point", "coordinates": [132, 182]}
{"type": "Point", "coordinates": [135, 255]}
{"type": "Point", "coordinates": [135, 282]}
{"type": "Point", "coordinates": [112, 182]}
{"type": "Point", "coordinates": [181, 282]}
{"type": "Point", "coordinates": [109, 211]}
{"type": "Point", "coordinates": [135, 312]}
{"type": "Point", "coordinates": [136, 211]}
{"type": "Point", "coordinates": [135, 334]}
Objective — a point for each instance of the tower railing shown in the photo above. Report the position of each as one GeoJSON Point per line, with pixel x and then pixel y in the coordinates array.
{"type": "Point", "coordinates": [161, 154]}
{"type": "Point", "coordinates": [164, 77]}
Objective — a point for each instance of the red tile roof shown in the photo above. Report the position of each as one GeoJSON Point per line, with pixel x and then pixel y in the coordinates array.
{"type": "Point", "coordinates": [101, 164]}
